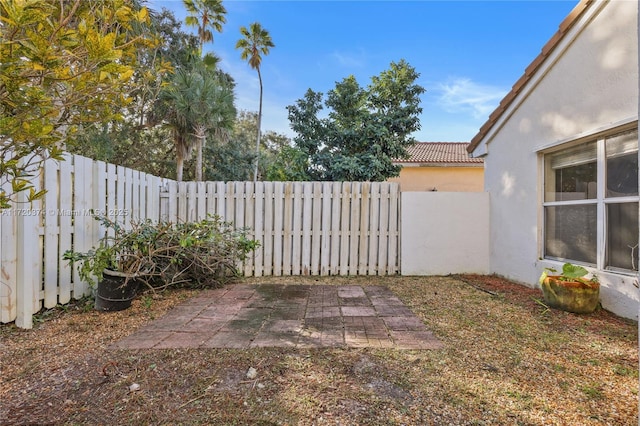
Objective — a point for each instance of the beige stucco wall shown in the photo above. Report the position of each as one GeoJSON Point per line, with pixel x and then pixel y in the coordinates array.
{"type": "Point", "coordinates": [592, 86]}
{"type": "Point", "coordinates": [443, 179]}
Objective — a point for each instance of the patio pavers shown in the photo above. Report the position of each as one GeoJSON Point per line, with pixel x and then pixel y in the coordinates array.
{"type": "Point", "coordinates": [296, 316]}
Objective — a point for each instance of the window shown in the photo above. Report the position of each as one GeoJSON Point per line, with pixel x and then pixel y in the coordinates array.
{"type": "Point", "coordinates": [591, 203]}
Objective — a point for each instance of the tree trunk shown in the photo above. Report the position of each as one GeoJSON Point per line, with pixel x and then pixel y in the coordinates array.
{"type": "Point", "coordinates": [200, 133]}
{"type": "Point", "coordinates": [255, 172]}
{"type": "Point", "coordinates": [179, 168]}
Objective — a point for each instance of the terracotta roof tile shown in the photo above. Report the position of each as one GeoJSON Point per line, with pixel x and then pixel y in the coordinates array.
{"type": "Point", "coordinates": [573, 15]}
{"type": "Point", "coordinates": [439, 152]}
{"type": "Point", "coordinates": [565, 26]}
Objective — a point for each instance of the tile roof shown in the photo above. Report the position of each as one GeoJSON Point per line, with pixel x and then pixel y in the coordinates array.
{"type": "Point", "coordinates": [553, 42]}
{"type": "Point", "coordinates": [439, 152]}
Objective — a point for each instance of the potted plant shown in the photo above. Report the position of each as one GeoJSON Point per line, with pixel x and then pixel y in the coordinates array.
{"type": "Point", "coordinates": [159, 255]}
{"type": "Point", "coordinates": [570, 291]}
{"type": "Point", "coordinates": [117, 266]}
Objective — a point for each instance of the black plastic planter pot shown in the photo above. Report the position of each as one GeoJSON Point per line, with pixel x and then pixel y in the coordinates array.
{"type": "Point", "coordinates": [115, 292]}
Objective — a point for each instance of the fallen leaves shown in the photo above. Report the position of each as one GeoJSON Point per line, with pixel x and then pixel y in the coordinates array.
{"type": "Point", "coordinates": [506, 360]}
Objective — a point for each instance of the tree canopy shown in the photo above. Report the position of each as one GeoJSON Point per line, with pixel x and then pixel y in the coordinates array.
{"type": "Point", "coordinates": [64, 64]}
{"type": "Point", "coordinates": [364, 130]}
{"type": "Point", "coordinates": [198, 102]}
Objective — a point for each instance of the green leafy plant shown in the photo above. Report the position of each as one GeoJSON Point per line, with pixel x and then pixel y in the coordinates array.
{"type": "Point", "coordinates": [570, 290]}
{"type": "Point", "coordinates": [570, 272]}
{"type": "Point", "coordinates": [122, 250]}
{"type": "Point", "coordinates": [162, 254]}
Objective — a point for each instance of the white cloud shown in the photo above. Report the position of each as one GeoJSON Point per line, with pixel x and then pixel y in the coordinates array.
{"type": "Point", "coordinates": [463, 95]}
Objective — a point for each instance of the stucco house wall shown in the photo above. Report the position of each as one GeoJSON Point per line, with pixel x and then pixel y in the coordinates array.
{"type": "Point", "coordinates": [440, 166]}
{"type": "Point", "coordinates": [448, 179]}
{"type": "Point", "coordinates": [587, 84]}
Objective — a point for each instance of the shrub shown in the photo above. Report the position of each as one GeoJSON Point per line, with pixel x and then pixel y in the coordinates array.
{"type": "Point", "coordinates": [204, 253]}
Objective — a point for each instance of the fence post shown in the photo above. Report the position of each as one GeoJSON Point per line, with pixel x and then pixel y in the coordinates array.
{"type": "Point", "coordinates": [27, 261]}
{"type": "Point", "coordinates": [160, 200]}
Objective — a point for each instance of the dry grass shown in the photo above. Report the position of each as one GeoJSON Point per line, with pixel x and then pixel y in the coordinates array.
{"type": "Point", "coordinates": [506, 360]}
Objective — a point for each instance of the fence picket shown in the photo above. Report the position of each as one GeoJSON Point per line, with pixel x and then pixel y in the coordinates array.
{"type": "Point", "coordinates": [51, 234]}
{"type": "Point", "coordinates": [258, 229]}
{"type": "Point", "coordinates": [182, 212]}
{"type": "Point", "coordinates": [306, 225]}
{"type": "Point", "coordinates": [374, 228]}
{"type": "Point", "coordinates": [119, 199]}
{"type": "Point", "coordinates": [27, 266]}
{"type": "Point", "coordinates": [143, 188]}
{"type": "Point", "coordinates": [191, 202]}
{"type": "Point", "coordinates": [288, 236]}
{"type": "Point", "coordinates": [296, 250]}
{"type": "Point", "coordinates": [230, 203]}
{"type": "Point", "coordinates": [268, 230]}
{"type": "Point", "coordinates": [249, 222]}
{"type": "Point", "coordinates": [134, 213]}
{"type": "Point", "coordinates": [112, 191]}
{"type": "Point", "coordinates": [37, 250]}
{"type": "Point", "coordinates": [278, 228]}
{"type": "Point", "coordinates": [365, 212]}
{"type": "Point", "coordinates": [355, 233]}
{"type": "Point", "coordinates": [83, 237]}
{"type": "Point", "coordinates": [221, 200]}
{"type": "Point", "coordinates": [202, 201]}
{"type": "Point", "coordinates": [304, 228]}
{"type": "Point", "coordinates": [9, 259]}
{"type": "Point", "coordinates": [152, 198]}
{"type": "Point", "coordinates": [128, 198]}
{"type": "Point", "coordinates": [172, 210]}
{"type": "Point", "coordinates": [65, 200]}
{"type": "Point", "coordinates": [345, 230]}
{"type": "Point", "coordinates": [317, 201]}
{"type": "Point", "coordinates": [334, 231]}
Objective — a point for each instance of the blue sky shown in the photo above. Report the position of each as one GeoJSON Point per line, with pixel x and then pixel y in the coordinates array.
{"type": "Point", "coordinates": [468, 53]}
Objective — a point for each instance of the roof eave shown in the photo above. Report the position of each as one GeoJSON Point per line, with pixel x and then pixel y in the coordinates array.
{"type": "Point", "coordinates": [564, 27]}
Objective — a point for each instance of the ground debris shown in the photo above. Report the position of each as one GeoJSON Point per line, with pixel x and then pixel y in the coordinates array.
{"type": "Point", "coordinates": [502, 362]}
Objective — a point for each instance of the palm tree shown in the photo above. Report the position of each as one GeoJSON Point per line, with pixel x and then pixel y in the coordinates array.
{"type": "Point", "coordinates": [207, 15]}
{"type": "Point", "coordinates": [256, 42]}
{"type": "Point", "coordinates": [216, 113]}
{"type": "Point", "coordinates": [177, 105]}
{"type": "Point", "coordinates": [198, 102]}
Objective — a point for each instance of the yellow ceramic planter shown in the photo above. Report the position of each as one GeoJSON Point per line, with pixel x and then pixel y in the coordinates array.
{"type": "Point", "coordinates": [578, 296]}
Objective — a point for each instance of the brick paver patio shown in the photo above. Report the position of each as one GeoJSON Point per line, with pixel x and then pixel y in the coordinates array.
{"type": "Point", "coordinates": [273, 315]}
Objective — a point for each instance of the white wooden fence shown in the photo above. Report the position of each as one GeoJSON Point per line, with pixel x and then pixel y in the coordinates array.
{"type": "Point", "coordinates": [304, 228]}
{"type": "Point", "coordinates": [35, 235]}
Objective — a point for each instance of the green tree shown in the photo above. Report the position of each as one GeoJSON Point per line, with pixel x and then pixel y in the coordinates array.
{"type": "Point", "coordinates": [256, 42]}
{"type": "Point", "coordinates": [366, 128]}
{"type": "Point", "coordinates": [65, 64]}
{"type": "Point", "coordinates": [233, 161]}
{"type": "Point", "coordinates": [288, 164]}
{"type": "Point", "coordinates": [207, 16]}
{"type": "Point", "coordinates": [279, 161]}
{"type": "Point", "coordinates": [197, 102]}
{"type": "Point", "coordinates": [140, 140]}
{"type": "Point", "coordinates": [136, 141]}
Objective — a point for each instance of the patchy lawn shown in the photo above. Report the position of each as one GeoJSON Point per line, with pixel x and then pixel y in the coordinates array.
{"type": "Point", "coordinates": [506, 360]}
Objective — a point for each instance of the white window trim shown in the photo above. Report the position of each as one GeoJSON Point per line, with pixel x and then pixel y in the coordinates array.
{"type": "Point", "coordinates": [600, 136]}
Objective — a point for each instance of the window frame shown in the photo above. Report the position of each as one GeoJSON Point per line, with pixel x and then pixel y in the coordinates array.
{"type": "Point", "coordinates": [601, 201]}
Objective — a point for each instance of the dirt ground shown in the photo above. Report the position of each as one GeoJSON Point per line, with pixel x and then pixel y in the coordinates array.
{"type": "Point", "coordinates": [506, 359]}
